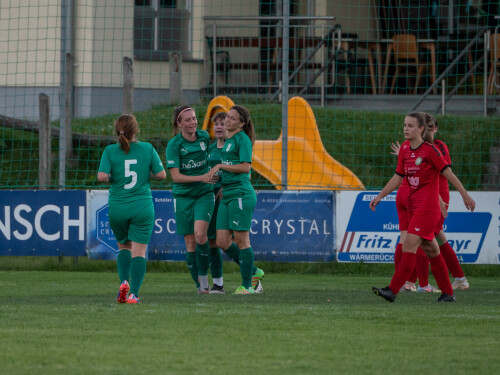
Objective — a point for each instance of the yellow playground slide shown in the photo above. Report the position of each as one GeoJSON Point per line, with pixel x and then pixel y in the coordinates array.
{"type": "Point", "coordinates": [310, 167]}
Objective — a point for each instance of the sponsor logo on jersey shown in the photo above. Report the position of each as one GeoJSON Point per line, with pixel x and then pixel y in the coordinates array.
{"type": "Point", "coordinates": [414, 181]}
{"type": "Point", "coordinates": [194, 164]}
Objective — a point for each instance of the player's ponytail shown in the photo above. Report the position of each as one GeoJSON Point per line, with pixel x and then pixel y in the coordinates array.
{"type": "Point", "coordinates": [126, 127]}
{"type": "Point", "coordinates": [248, 127]}
{"type": "Point", "coordinates": [430, 123]}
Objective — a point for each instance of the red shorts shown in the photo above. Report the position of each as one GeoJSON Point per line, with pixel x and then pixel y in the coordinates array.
{"type": "Point", "coordinates": [439, 226]}
{"type": "Point", "coordinates": [424, 223]}
{"type": "Point", "coordinates": [402, 207]}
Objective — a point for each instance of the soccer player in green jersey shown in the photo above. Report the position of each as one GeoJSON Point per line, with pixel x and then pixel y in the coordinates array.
{"type": "Point", "coordinates": [128, 166]}
{"type": "Point", "coordinates": [187, 161]}
{"type": "Point", "coordinates": [234, 217]}
{"type": "Point", "coordinates": [214, 158]}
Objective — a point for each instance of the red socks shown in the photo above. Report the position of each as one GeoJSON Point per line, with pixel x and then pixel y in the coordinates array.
{"type": "Point", "coordinates": [403, 272]}
{"type": "Point", "coordinates": [422, 268]}
{"type": "Point", "coordinates": [440, 272]}
{"type": "Point", "coordinates": [451, 260]}
{"type": "Point", "coordinates": [397, 254]}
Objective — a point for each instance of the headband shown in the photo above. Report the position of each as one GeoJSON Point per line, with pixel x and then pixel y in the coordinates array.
{"type": "Point", "coordinates": [181, 112]}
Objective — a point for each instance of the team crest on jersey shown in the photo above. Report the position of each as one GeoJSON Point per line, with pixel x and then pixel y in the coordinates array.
{"type": "Point", "coordinates": [418, 161]}
{"type": "Point", "coordinates": [202, 146]}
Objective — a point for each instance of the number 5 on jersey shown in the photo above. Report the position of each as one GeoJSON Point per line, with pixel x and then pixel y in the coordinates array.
{"type": "Point", "coordinates": [129, 173]}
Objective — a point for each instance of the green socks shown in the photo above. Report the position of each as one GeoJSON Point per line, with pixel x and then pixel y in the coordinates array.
{"type": "Point", "coordinates": [233, 252]}
{"type": "Point", "coordinates": [193, 269]}
{"type": "Point", "coordinates": [137, 272]}
{"type": "Point", "coordinates": [123, 263]}
{"type": "Point", "coordinates": [215, 263]}
{"type": "Point", "coordinates": [202, 258]}
{"type": "Point", "coordinates": [246, 266]}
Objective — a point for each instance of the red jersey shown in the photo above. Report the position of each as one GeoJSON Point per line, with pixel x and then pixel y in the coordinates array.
{"type": "Point", "coordinates": [444, 189]}
{"type": "Point", "coordinates": [421, 168]}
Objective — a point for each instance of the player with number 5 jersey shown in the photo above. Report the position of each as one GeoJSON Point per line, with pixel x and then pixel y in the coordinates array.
{"type": "Point", "coordinates": [128, 166]}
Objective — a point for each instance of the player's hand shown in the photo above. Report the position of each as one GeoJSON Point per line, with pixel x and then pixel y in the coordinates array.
{"type": "Point", "coordinates": [444, 208]}
{"type": "Point", "coordinates": [211, 173]}
{"type": "Point", "coordinates": [209, 178]}
{"type": "Point", "coordinates": [374, 202]}
{"type": "Point", "coordinates": [470, 204]}
{"type": "Point", "coordinates": [395, 148]}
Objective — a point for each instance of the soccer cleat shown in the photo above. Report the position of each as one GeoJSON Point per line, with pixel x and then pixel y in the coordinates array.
{"type": "Point", "coordinates": [122, 293]}
{"type": "Point", "coordinates": [259, 289]}
{"type": "Point", "coordinates": [447, 298]}
{"type": "Point", "coordinates": [133, 300]}
{"type": "Point", "coordinates": [428, 289]}
{"type": "Point", "coordinates": [243, 290]}
{"type": "Point", "coordinates": [462, 284]}
{"type": "Point", "coordinates": [257, 276]}
{"type": "Point", "coordinates": [216, 289]}
{"type": "Point", "coordinates": [408, 287]}
{"type": "Point", "coordinates": [385, 293]}
{"type": "Point", "coordinates": [200, 290]}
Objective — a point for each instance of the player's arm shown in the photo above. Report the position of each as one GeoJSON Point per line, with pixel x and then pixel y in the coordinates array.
{"type": "Point", "coordinates": [180, 178]}
{"type": "Point", "coordinates": [392, 185]}
{"type": "Point", "coordinates": [450, 176]}
{"type": "Point", "coordinates": [236, 168]}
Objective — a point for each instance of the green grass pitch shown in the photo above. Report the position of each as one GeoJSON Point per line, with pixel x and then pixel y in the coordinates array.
{"type": "Point", "coordinates": [69, 323]}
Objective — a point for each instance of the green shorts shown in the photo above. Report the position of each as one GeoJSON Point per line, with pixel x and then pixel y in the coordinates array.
{"type": "Point", "coordinates": [236, 213]}
{"type": "Point", "coordinates": [188, 210]}
{"type": "Point", "coordinates": [132, 221]}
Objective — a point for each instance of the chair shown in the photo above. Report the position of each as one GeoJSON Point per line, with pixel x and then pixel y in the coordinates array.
{"type": "Point", "coordinates": [405, 49]}
{"type": "Point", "coordinates": [222, 63]}
{"type": "Point", "coordinates": [494, 78]}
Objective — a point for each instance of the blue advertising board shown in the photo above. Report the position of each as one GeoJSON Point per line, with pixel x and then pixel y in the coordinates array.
{"type": "Point", "coordinates": [372, 236]}
{"type": "Point", "coordinates": [294, 226]}
{"type": "Point", "coordinates": [42, 222]}
{"type": "Point", "coordinates": [287, 226]}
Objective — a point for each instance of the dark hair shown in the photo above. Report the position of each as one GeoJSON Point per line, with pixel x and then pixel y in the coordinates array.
{"type": "Point", "coordinates": [248, 128]}
{"type": "Point", "coordinates": [219, 115]}
{"type": "Point", "coordinates": [175, 117]}
{"type": "Point", "coordinates": [126, 127]}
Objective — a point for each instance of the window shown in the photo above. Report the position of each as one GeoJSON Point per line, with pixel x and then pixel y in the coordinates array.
{"type": "Point", "coordinates": [161, 27]}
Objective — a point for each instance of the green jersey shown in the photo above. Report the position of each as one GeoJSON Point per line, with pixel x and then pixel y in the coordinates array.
{"type": "Point", "coordinates": [236, 150]}
{"type": "Point", "coordinates": [214, 158]}
{"type": "Point", "coordinates": [191, 159]}
{"type": "Point", "coordinates": [130, 172]}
